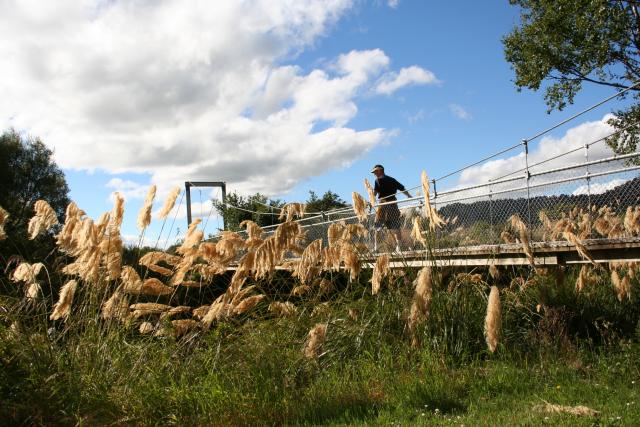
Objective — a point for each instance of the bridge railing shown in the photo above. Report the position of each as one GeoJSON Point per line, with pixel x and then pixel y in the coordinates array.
{"type": "Point", "coordinates": [478, 214]}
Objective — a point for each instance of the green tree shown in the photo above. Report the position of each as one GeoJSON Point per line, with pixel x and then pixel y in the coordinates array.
{"type": "Point", "coordinates": [257, 208]}
{"type": "Point", "coordinates": [327, 202]}
{"type": "Point", "coordinates": [562, 44]}
{"type": "Point", "coordinates": [265, 211]}
{"type": "Point", "coordinates": [27, 174]}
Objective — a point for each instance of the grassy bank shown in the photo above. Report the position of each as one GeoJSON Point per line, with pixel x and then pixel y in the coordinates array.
{"type": "Point", "coordinates": [557, 347]}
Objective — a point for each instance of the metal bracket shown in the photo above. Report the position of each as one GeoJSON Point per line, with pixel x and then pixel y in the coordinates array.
{"type": "Point", "coordinates": [189, 184]}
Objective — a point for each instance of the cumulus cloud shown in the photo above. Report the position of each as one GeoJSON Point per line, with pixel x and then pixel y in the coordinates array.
{"type": "Point", "coordinates": [127, 188]}
{"type": "Point", "coordinates": [414, 75]}
{"type": "Point", "coordinates": [460, 112]}
{"type": "Point", "coordinates": [548, 147]}
{"type": "Point", "coordinates": [189, 90]}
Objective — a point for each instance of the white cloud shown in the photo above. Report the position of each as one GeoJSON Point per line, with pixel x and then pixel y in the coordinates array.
{"type": "Point", "coordinates": [128, 189]}
{"type": "Point", "coordinates": [413, 75]}
{"type": "Point", "coordinates": [599, 188]}
{"type": "Point", "coordinates": [460, 112]}
{"type": "Point", "coordinates": [393, 3]}
{"type": "Point", "coordinates": [548, 147]}
{"type": "Point", "coordinates": [189, 90]}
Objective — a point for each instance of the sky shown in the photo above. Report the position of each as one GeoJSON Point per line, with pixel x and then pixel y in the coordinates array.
{"type": "Point", "coordinates": [280, 97]}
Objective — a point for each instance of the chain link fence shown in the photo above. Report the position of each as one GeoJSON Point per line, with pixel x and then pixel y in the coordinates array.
{"type": "Point", "coordinates": [477, 215]}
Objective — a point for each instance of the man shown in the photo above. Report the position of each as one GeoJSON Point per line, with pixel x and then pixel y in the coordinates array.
{"type": "Point", "coordinates": [387, 215]}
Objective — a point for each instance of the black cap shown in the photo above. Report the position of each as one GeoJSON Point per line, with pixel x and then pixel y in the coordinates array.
{"type": "Point", "coordinates": [377, 167]}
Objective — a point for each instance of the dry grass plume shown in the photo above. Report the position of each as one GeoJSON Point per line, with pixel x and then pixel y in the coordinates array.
{"type": "Point", "coordinates": [144, 216]}
{"type": "Point", "coordinates": [518, 225]}
{"type": "Point", "coordinates": [315, 339]}
{"type": "Point", "coordinates": [4, 215]}
{"type": "Point", "coordinates": [44, 219]}
{"type": "Point", "coordinates": [62, 308]}
{"type": "Point", "coordinates": [291, 210]}
{"type": "Point", "coordinates": [421, 302]}
{"type": "Point", "coordinates": [359, 206]}
{"type": "Point", "coordinates": [435, 220]}
{"type": "Point", "coordinates": [169, 203]}
{"type": "Point", "coordinates": [380, 271]}
{"type": "Point", "coordinates": [493, 320]}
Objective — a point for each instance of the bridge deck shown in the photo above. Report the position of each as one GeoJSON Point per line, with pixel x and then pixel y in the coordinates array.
{"type": "Point", "coordinates": [545, 254]}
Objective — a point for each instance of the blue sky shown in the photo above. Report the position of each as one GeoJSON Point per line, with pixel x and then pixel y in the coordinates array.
{"type": "Point", "coordinates": [124, 109]}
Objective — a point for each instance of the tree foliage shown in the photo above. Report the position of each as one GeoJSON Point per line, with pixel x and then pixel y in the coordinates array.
{"type": "Point", "coordinates": [264, 211]}
{"type": "Point", "coordinates": [562, 44]}
{"type": "Point", "coordinates": [257, 208]}
{"type": "Point", "coordinates": [327, 202]}
{"type": "Point", "coordinates": [27, 174]}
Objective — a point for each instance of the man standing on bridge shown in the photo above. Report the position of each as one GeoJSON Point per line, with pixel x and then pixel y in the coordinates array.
{"type": "Point", "coordinates": [387, 215]}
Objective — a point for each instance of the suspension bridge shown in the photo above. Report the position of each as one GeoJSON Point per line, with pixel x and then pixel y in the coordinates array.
{"type": "Point", "coordinates": [543, 193]}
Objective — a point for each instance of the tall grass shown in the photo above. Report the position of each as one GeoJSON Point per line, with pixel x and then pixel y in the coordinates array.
{"type": "Point", "coordinates": [177, 339]}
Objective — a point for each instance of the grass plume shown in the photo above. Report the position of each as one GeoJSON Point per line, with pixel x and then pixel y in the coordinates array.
{"type": "Point", "coordinates": [144, 216]}
{"type": "Point", "coordinates": [169, 203]}
{"type": "Point", "coordinates": [44, 219]}
{"type": "Point", "coordinates": [493, 320]}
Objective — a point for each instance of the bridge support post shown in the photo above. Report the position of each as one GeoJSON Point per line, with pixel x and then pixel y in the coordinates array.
{"type": "Point", "coordinates": [525, 143]}
{"type": "Point", "coordinates": [189, 184]}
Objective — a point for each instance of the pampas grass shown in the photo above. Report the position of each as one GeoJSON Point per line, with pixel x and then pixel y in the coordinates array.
{"type": "Point", "coordinates": [435, 220]}
{"type": "Point", "coordinates": [117, 213]}
{"type": "Point", "coordinates": [147, 308]}
{"type": "Point", "coordinates": [144, 216]}
{"type": "Point", "coordinates": [4, 215]}
{"type": "Point", "coordinates": [507, 237]}
{"type": "Point", "coordinates": [351, 261]}
{"type": "Point", "coordinates": [334, 233]}
{"type": "Point", "coordinates": [44, 219]}
{"type": "Point", "coordinates": [174, 311]}
{"type": "Point", "coordinates": [283, 309]}
{"type": "Point", "coordinates": [370, 193]}
{"type": "Point", "coordinates": [169, 203]}
{"type": "Point", "coordinates": [493, 320]}
{"type": "Point", "coordinates": [316, 337]}
{"type": "Point", "coordinates": [584, 278]}
{"type": "Point", "coordinates": [300, 290]}
{"type": "Point", "coordinates": [116, 307]}
{"type": "Point", "coordinates": [420, 303]}
{"type": "Point", "coordinates": [34, 291]}
{"type": "Point", "coordinates": [494, 272]}
{"type": "Point", "coordinates": [416, 232]}
{"type": "Point", "coordinates": [62, 308]}
{"type": "Point", "coordinates": [151, 260]}
{"type": "Point", "coordinates": [248, 304]}
{"type": "Point", "coordinates": [621, 286]}
{"type": "Point", "coordinates": [291, 210]}
{"type": "Point", "coordinates": [580, 248]}
{"type": "Point", "coordinates": [380, 271]}
{"type": "Point", "coordinates": [523, 232]}
{"type": "Point", "coordinates": [307, 267]}
{"type": "Point", "coordinates": [146, 328]}
{"type": "Point", "coordinates": [192, 238]}
{"type": "Point", "coordinates": [254, 233]}
{"type": "Point", "coordinates": [359, 206]}
{"type": "Point", "coordinates": [26, 272]}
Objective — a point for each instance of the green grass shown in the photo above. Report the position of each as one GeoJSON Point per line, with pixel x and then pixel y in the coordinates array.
{"type": "Point", "coordinates": [578, 350]}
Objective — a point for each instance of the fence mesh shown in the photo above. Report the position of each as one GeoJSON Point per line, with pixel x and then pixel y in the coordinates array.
{"type": "Point", "coordinates": [478, 215]}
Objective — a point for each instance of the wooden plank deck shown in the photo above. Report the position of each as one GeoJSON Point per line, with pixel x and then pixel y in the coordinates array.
{"type": "Point", "coordinates": [545, 254]}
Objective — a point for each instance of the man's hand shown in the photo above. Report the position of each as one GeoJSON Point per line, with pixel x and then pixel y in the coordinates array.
{"type": "Point", "coordinates": [406, 193]}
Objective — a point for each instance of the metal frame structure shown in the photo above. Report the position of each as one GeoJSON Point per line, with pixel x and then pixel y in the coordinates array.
{"type": "Point", "coordinates": [210, 184]}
